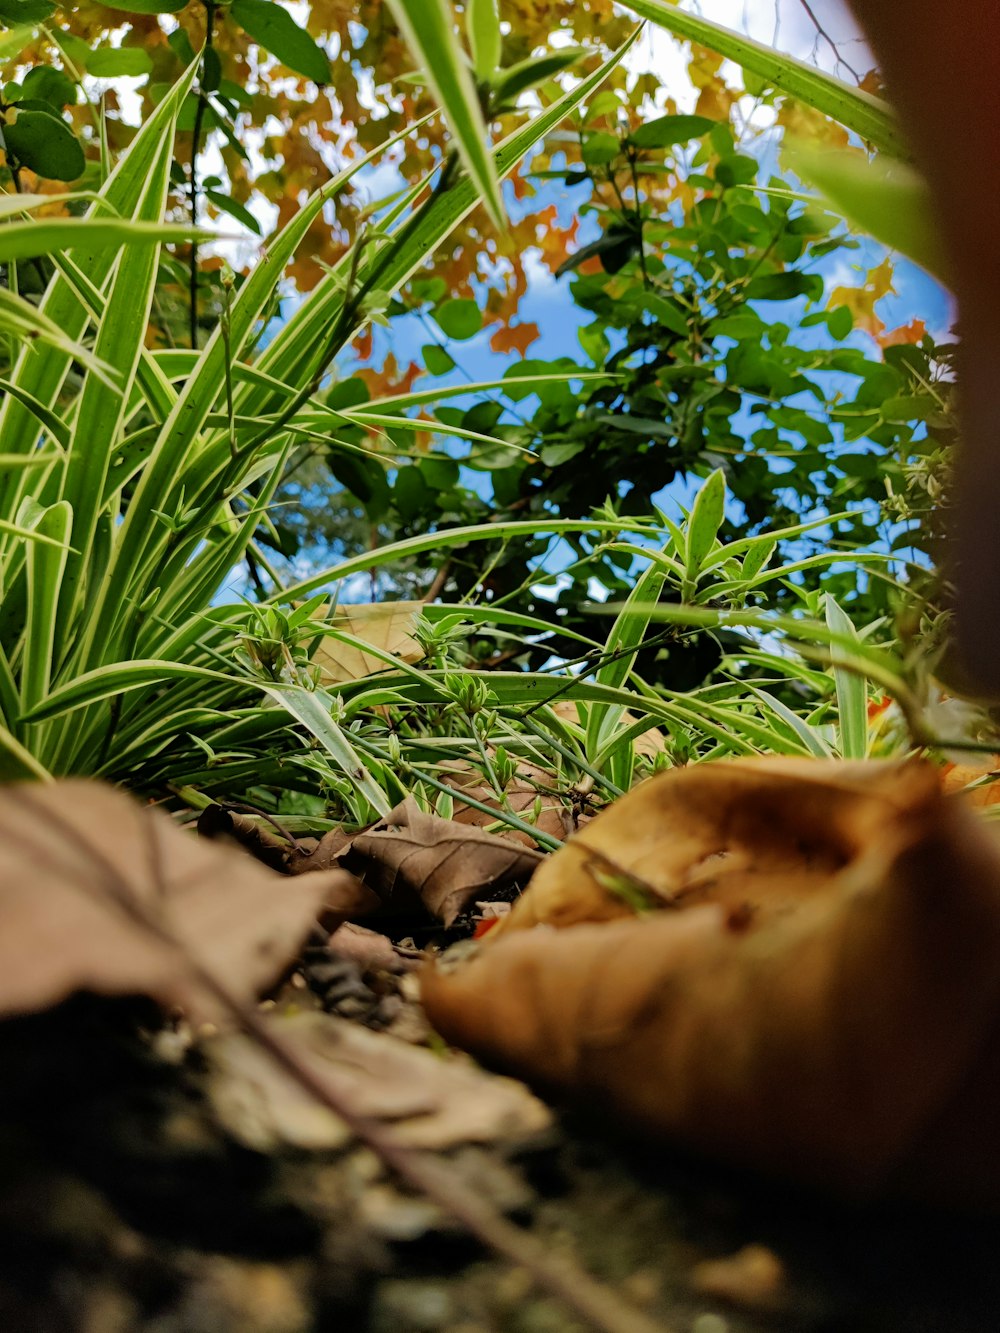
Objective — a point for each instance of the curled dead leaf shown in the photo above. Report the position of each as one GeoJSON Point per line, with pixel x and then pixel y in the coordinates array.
{"type": "Point", "coordinates": [714, 833]}
{"type": "Point", "coordinates": [846, 1035]}
{"type": "Point", "coordinates": [99, 894]}
{"type": "Point", "coordinates": [445, 863]}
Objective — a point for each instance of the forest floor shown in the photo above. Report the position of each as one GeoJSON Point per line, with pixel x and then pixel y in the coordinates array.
{"type": "Point", "coordinates": [154, 1181]}
{"type": "Point", "coordinates": [166, 1170]}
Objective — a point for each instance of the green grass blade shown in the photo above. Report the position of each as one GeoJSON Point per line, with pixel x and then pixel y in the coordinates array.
{"type": "Point", "coordinates": [116, 678]}
{"type": "Point", "coordinates": [47, 419]}
{"type": "Point", "coordinates": [429, 30]}
{"type": "Point", "coordinates": [886, 199]}
{"type": "Point", "coordinates": [808, 735]}
{"type": "Point", "coordinates": [623, 643]}
{"type": "Point", "coordinates": [31, 240]}
{"type": "Point", "coordinates": [43, 377]}
{"type": "Point", "coordinates": [45, 573]}
{"type": "Point", "coordinates": [301, 346]}
{"type": "Point", "coordinates": [29, 324]}
{"type": "Point", "coordinates": [313, 710]}
{"type": "Point", "coordinates": [868, 116]}
{"type": "Point", "coordinates": [852, 694]}
{"type": "Point", "coordinates": [101, 409]}
{"type": "Point", "coordinates": [17, 763]}
{"type": "Point", "coordinates": [439, 541]}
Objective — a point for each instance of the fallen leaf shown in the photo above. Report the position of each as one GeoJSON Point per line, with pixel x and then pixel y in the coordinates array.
{"type": "Point", "coordinates": [447, 864]}
{"type": "Point", "coordinates": [724, 845]}
{"type": "Point", "coordinates": [385, 625]}
{"type": "Point", "coordinates": [217, 823]}
{"type": "Point", "coordinates": [432, 1103]}
{"type": "Point", "coordinates": [529, 791]}
{"type": "Point", "coordinates": [371, 950]}
{"type": "Point", "coordinates": [958, 778]}
{"type": "Point", "coordinates": [98, 893]}
{"type": "Point", "coordinates": [849, 1037]}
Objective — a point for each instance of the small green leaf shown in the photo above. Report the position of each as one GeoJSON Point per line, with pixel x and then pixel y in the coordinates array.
{"type": "Point", "coordinates": [667, 313]}
{"type": "Point", "coordinates": [482, 27]}
{"type": "Point", "coordinates": [536, 69]}
{"type": "Point", "coordinates": [225, 204]}
{"type": "Point", "coordinates": [458, 319]}
{"type": "Point", "coordinates": [45, 144]}
{"type": "Point", "coordinates": [113, 62]}
{"type": "Point", "coordinates": [784, 286]}
{"type": "Point", "coordinates": [49, 85]}
{"type": "Point", "coordinates": [757, 557]}
{"type": "Point", "coordinates": [273, 28]}
{"type": "Point", "coordinates": [13, 43]}
{"type": "Point", "coordinates": [668, 130]}
{"type": "Point", "coordinates": [840, 322]}
{"type": "Point", "coordinates": [909, 407]}
{"type": "Point", "coordinates": [707, 514]}
{"type": "Point", "coordinates": [436, 359]}
{"type": "Point", "coordinates": [211, 70]}
{"type": "Point", "coordinates": [180, 43]}
{"type": "Point", "coordinates": [601, 148]}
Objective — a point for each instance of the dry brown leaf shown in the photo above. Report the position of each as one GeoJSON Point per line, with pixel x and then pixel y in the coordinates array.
{"type": "Point", "coordinates": [530, 787]}
{"type": "Point", "coordinates": [445, 863]}
{"type": "Point", "coordinates": [713, 833]}
{"type": "Point", "coordinates": [432, 1103]}
{"type": "Point", "coordinates": [218, 823]}
{"type": "Point", "coordinates": [850, 1041]}
{"type": "Point", "coordinates": [385, 625]}
{"type": "Point", "coordinates": [82, 866]}
{"type": "Point", "coordinates": [956, 778]}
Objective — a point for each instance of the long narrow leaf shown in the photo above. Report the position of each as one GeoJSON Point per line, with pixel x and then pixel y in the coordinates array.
{"type": "Point", "coordinates": [313, 711]}
{"type": "Point", "coordinates": [30, 240]}
{"type": "Point", "coordinates": [868, 116]}
{"type": "Point", "coordinates": [852, 696]}
{"type": "Point", "coordinates": [429, 29]}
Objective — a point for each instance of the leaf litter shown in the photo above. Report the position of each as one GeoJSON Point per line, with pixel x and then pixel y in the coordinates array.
{"type": "Point", "coordinates": [639, 1003]}
{"type": "Point", "coordinates": [99, 895]}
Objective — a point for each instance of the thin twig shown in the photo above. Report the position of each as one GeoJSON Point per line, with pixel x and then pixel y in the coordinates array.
{"type": "Point", "coordinates": [822, 32]}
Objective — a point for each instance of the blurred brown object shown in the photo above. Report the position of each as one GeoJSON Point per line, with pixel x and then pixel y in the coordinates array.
{"type": "Point", "coordinates": [941, 67]}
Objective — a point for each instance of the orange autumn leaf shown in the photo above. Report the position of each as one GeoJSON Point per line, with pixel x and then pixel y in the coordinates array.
{"type": "Point", "coordinates": [816, 993]}
{"type": "Point", "coordinates": [913, 332]}
{"type": "Point", "coordinates": [861, 300]}
{"type": "Point", "coordinates": [363, 343]}
{"type": "Point", "coordinates": [515, 338]}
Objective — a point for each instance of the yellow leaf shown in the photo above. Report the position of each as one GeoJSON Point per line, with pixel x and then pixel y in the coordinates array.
{"type": "Point", "coordinates": [387, 626]}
